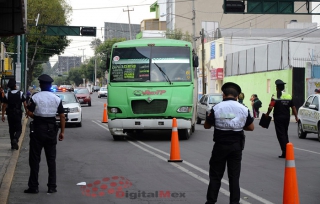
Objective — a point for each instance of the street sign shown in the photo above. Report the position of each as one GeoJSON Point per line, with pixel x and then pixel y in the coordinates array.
{"type": "Point", "coordinates": [88, 31]}
{"type": "Point", "coordinates": [63, 30]}
{"type": "Point", "coordinates": [281, 7]}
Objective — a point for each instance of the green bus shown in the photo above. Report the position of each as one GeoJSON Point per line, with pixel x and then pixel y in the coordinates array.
{"type": "Point", "coordinates": [150, 82]}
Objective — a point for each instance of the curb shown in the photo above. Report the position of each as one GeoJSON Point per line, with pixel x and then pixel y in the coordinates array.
{"type": "Point", "coordinates": [8, 176]}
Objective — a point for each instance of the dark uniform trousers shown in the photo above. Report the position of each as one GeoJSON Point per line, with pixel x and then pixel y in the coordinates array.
{"type": "Point", "coordinates": [44, 136]}
{"type": "Point", "coordinates": [282, 124]}
{"type": "Point", "coordinates": [15, 127]}
{"type": "Point", "coordinates": [222, 155]}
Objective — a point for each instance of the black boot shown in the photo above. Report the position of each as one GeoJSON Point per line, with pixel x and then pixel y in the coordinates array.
{"type": "Point", "coordinates": [32, 191]}
{"type": "Point", "coordinates": [14, 144]}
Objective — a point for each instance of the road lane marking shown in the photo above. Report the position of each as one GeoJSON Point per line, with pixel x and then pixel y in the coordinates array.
{"type": "Point", "coordinates": [207, 173]}
{"type": "Point", "coordinates": [222, 190]}
{"type": "Point", "coordinates": [103, 126]}
{"type": "Point", "coordinates": [306, 150]}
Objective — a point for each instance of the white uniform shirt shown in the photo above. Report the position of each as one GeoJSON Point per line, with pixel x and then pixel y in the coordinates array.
{"type": "Point", "coordinates": [230, 115]}
{"type": "Point", "coordinates": [46, 104]}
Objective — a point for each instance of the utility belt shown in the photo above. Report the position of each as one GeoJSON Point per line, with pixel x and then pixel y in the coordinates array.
{"type": "Point", "coordinates": [13, 111]}
{"type": "Point", "coordinates": [45, 132]}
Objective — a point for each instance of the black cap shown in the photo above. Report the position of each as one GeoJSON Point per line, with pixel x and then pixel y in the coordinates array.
{"type": "Point", "coordinates": [11, 83]}
{"type": "Point", "coordinates": [279, 82]}
{"type": "Point", "coordinates": [231, 85]}
{"type": "Point", "coordinates": [44, 78]}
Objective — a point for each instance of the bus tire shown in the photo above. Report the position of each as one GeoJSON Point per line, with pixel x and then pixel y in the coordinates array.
{"type": "Point", "coordinates": [184, 134]}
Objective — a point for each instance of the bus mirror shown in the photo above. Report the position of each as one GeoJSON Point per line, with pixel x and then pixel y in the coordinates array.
{"type": "Point", "coordinates": [108, 63]}
{"type": "Point", "coordinates": [195, 61]}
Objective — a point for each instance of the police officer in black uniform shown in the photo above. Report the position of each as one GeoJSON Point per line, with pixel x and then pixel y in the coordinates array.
{"type": "Point", "coordinates": [229, 119]}
{"type": "Point", "coordinates": [43, 107]}
{"type": "Point", "coordinates": [281, 103]}
{"type": "Point", "coordinates": [14, 99]}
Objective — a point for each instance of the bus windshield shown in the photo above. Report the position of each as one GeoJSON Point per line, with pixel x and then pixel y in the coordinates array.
{"type": "Point", "coordinates": [151, 64]}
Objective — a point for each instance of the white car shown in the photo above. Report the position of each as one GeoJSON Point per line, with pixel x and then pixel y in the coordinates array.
{"type": "Point", "coordinates": [205, 104]}
{"type": "Point", "coordinates": [70, 101]}
{"type": "Point", "coordinates": [309, 117]}
{"type": "Point", "coordinates": [103, 92]}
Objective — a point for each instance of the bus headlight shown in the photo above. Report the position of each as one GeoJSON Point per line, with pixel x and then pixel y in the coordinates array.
{"type": "Point", "coordinates": [184, 109]}
{"type": "Point", "coordinates": [115, 110]}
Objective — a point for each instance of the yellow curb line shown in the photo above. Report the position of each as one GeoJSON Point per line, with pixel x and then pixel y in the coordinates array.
{"type": "Point", "coordinates": [8, 176]}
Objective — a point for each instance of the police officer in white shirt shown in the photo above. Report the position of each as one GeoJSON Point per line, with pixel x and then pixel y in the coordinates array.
{"type": "Point", "coordinates": [229, 119]}
{"type": "Point", "coordinates": [43, 107]}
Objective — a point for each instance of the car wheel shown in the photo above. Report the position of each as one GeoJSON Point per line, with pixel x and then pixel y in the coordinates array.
{"type": "Point", "coordinates": [118, 138]}
{"type": "Point", "coordinates": [198, 120]}
{"type": "Point", "coordinates": [99, 96]}
{"type": "Point", "coordinates": [89, 104]}
{"type": "Point", "coordinates": [301, 133]}
{"type": "Point", "coordinates": [184, 134]}
{"type": "Point", "coordinates": [79, 124]}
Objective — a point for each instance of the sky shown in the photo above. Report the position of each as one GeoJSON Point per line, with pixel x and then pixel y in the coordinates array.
{"type": "Point", "coordinates": [93, 13]}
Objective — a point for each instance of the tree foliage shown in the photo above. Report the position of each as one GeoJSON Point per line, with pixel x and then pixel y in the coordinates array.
{"type": "Point", "coordinates": [40, 46]}
{"type": "Point", "coordinates": [177, 34]}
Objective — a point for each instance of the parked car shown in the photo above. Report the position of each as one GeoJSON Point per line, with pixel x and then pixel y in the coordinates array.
{"type": "Point", "coordinates": [205, 104]}
{"type": "Point", "coordinates": [83, 95]}
{"type": "Point", "coordinates": [103, 92]}
{"type": "Point", "coordinates": [309, 117]}
{"type": "Point", "coordinates": [70, 101]}
{"type": "Point", "coordinates": [95, 88]}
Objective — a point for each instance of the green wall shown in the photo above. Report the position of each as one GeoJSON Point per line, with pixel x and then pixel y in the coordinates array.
{"type": "Point", "coordinates": [257, 83]}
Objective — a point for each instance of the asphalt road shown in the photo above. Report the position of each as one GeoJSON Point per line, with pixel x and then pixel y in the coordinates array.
{"type": "Point", "coordinates": [136, 170]}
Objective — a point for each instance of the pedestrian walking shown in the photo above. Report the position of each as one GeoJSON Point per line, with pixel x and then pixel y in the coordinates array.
{"type": "Point", "coordinates": [229, 119]}
{"type": "Point", "coordinates": [43, 107]}
{"type": "Point", "coordinates": [256, 105]}
{"type": "Point", "coordinates": [12, 105]}
{"type": "Point", "coordinates": [281, 103]}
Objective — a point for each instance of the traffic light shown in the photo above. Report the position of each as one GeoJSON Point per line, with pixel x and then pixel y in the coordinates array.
{"type": "Point", "coordinates": [233, 6]}
{"type": "Point", "coordinates": [88, 31]}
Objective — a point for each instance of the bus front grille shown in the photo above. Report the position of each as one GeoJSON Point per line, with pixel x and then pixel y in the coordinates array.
{"type": "Point", "coordinates": [154, 107]}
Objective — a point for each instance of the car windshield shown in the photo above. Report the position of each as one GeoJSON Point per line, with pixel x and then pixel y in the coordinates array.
{"type": "Point", "coordinates": [152, 64]}
{"type": "Point", "coordinates": [82, 91]}
{"type": "Point", "coordinates": [67, 98]}
{"type": "Point", "coordinates": [103, 89]}
{"type": "Point", "coordinates": [215, 99]}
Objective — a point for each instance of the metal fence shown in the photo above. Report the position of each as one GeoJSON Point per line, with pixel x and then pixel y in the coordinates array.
{"type": "Point", "coordinates": [269, 57]}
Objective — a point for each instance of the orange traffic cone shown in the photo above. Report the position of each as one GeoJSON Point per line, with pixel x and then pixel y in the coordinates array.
{"type": "Point", "coordinates": [105, 114]}
{"type": "Point", "coordinates": [175, 149]}
{"type": "Point", "coordinates": [290, 190]}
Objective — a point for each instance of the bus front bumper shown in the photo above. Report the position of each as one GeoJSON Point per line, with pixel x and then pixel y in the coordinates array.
{"type": "Point", "coordinates": [117, 126]}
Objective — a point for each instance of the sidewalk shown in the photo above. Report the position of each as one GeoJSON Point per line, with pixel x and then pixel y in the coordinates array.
{"type": "Point", "coordinates": [8, 158]}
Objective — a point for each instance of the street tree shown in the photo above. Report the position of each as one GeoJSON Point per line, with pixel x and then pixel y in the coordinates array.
{"type": "Point", "coordinates": [40, 46]}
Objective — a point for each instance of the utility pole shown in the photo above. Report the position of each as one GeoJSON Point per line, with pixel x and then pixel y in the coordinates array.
{"type": "Point", "coordinates": [203, 77]}
{"type": "Point", "coordinates": [194, 26]}
{"type": "Point", "coordinates": [129, 18]}
{"type": "Point", "coordinates": [82, 53]}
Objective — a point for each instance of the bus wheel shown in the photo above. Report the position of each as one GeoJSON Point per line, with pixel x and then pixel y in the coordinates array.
{"type": "Point", "coordinates": [117, 137]}
{"type": "Point", "coordinates": [184, 134]}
